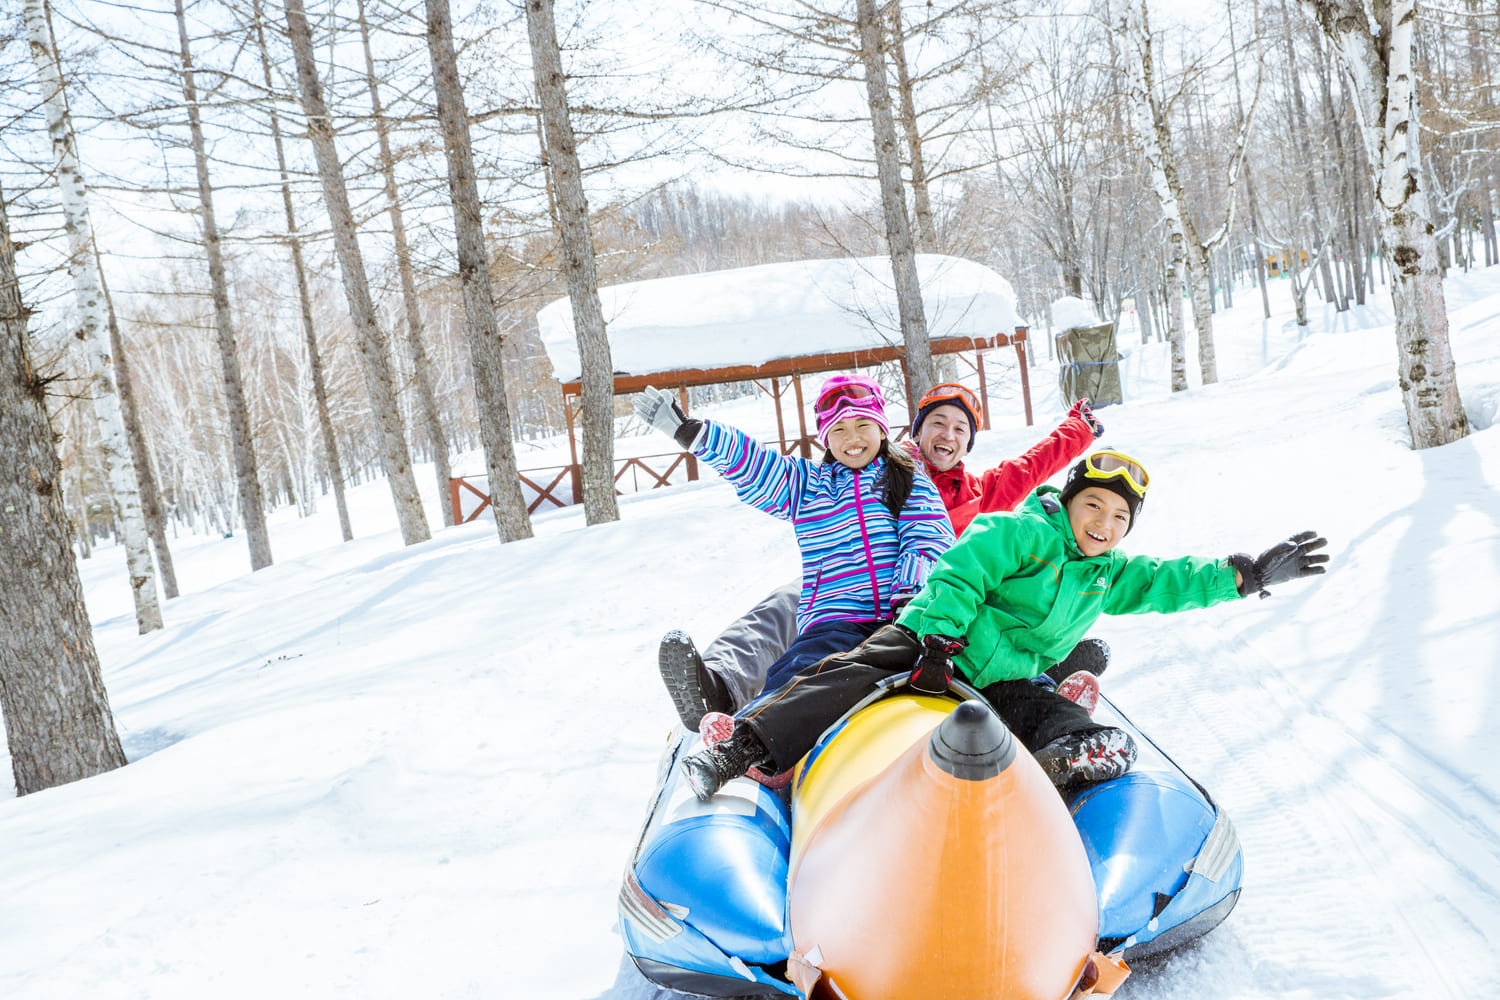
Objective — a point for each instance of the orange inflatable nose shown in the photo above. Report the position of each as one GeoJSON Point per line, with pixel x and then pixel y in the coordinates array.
{"type": "Point", "coordinates": [953, 873]}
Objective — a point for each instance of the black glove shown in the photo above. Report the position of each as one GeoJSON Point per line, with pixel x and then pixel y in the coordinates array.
{"type": "Point", "coordinates": [1283, 561]}
{"type": "Point", "coordinates": [657, 408]}
{"type": "Point", "coordinates": [934, 668]}
{"type": "Point", "coordinates": [1084, 412]}
{"type": "Point", "coordinates": [899, 603]}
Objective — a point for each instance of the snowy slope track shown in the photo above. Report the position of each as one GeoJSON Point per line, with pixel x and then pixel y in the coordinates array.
{"type": "Point", "coordinates": [1355, 848]}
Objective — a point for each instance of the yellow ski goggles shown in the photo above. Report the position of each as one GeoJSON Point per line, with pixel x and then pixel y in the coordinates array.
{"type": "Point", "coordinates": [1114, 464]}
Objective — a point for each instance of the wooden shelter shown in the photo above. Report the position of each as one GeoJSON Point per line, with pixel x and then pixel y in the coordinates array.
{"type": "Point", "coordinates": [774, 323]}
{"type": "Point", "coordinates": [771, 325]}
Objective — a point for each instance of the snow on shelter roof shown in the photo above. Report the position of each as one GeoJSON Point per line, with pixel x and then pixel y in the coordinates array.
{"type": "Point", "coordinates": [753, 315]}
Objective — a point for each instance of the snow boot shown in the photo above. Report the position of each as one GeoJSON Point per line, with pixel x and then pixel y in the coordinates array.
{"type": "Point", "coordinates": [1081, 688]}
{"type": "Point", "coordinates": [694, 688]}
{"type": "Point", "coordinates": [1079, 758]}
{"type": "Point", "coordinates": [717, 727]}
{"type": "Point", "coordinates": [1090, 655]}
{"type": "Point", "coordinates": [710, 768]}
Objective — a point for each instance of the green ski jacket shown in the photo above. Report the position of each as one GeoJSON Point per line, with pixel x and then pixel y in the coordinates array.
{"type": "Point", "coordinates": [1019, 589]}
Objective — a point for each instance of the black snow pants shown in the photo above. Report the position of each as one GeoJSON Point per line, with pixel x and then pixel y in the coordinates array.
{"type": "Point", "coordinates": [790, 719]}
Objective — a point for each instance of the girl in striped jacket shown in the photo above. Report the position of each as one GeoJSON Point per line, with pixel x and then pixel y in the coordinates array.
{"type": "Point", "coordinates": [869, 527]}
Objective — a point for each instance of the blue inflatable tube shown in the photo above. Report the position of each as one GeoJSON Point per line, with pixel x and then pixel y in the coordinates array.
{"type": "Point", "coordinates": [1167, 862]}
{"type": "Point", "coordinates": [703, 906]}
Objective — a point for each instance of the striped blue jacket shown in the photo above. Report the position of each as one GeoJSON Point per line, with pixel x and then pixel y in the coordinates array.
{"type": "Point", "coordinates": [856, 556]}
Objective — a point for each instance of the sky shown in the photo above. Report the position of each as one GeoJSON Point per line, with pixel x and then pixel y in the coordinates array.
{"type": "Point", "coordinates": [379, 771]}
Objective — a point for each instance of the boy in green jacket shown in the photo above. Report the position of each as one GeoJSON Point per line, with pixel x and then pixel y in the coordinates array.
{"type": "Point", "coordinates": [1012, 597]}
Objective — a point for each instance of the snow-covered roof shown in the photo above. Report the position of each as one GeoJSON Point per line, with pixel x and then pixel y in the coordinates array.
{"type": "Point", "coordinates": [753, 315]}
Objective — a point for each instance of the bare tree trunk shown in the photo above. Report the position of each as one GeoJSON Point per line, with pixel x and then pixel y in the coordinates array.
{"type": "Point", "coordinates": [920, 374]}
{"type": "Point", "coordinates": [1491, 247]}
{"type": "Point", "coordinates": [583, 284]}
{"type": "Point", "coordinates": [58, 723]}
{"type": "Point", "coordinates": [1260, 251]}
{"type": "Point", "coordinates": [85, 536]}
{"type": "Point", "coordinates": [395, 459]}
{"type": "Point", "coordinates": [1145, 310]}
{"type": "Point", "coordinates": [247, 476]}
{"type": "Point", "coordinates": [432, 418]}
{"type": "Point", "coordinates": [90, 300]}
{"type": "Point", "coordinates": [140, 457]}
{"type": "Point", "coordinates": [921, 204]}
{"type": "Point", "coordinates": [1154, 132]}
{"type": "Point", "coordinates": [1158, 157]}
{"type": "Point", "coordinates": [1380, 68]}
{"type": "Point", "coordinates": [1359, 216]}
{"type": "Point", "coordinates": [507, 502]}
{"type": "Point", "coordinates": [1198, 271]}
{"type": "Point", "coordinates": [1345, 180]}
{"type": "Point", "coordinates": [1299, 286]}
{"type": "Point", "coordinates": [1309, 175]}
{"type": "Point", "coordinates": [304, 300]}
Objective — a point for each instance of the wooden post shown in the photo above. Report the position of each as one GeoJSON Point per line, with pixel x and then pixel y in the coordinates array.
{"type": "Point", "coordinates": [575, 470]}
{"type": "Point", "coordinates": [692, 460]}
{"type": "Point", "coordinates": [801, 418]}
{"type": "Point", "coordinates": [1025, 380]}
{"type": "Point", "coordinates": [780, 421]}
{"type": "Point", "coordinates": [984, 391]}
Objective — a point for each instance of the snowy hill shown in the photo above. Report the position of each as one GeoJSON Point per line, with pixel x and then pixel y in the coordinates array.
{"type": "Point", "coordinates": [373, 771]}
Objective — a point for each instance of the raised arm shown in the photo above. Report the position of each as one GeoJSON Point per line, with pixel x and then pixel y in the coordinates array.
{"type": "Point", "coordinates": [1008, 483]}
{"type": "Point", "coordinates": [762, 478]}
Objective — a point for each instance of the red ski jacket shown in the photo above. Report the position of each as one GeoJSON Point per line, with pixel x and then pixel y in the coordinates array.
{"type": "Point", "coordinates": [1007, 484]}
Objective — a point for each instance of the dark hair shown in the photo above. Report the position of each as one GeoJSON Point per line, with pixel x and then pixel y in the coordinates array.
{"type": "Point", "coordinates": [900, 471]}
{"type": "Point", "coordinates": [895, 484]}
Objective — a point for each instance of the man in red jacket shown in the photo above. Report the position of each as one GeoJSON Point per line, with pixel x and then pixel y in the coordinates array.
{"type": "Point", "coordinates": [943, 431]}
{"type": "Point", "coordinates": [732, 671]}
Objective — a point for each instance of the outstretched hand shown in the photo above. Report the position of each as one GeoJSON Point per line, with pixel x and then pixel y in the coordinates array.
{"type": "Point", "coordinates": [657, 407]}
{"type": "Point", "coordinates": [1083, 411]}
{"type": "Point", "coordinates": [1286, 560]}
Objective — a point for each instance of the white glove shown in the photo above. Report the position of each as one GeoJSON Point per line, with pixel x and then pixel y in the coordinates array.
{"type": "Point", "coordinates": [657, 408]}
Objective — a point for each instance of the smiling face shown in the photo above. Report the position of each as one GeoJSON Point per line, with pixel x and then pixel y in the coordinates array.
{"type": "Point", "coordinates": [1099, 519]}
{"type": "Point", "coordinates": [944, 437]}
{"type": "Point", "coordinates": [855, 441]}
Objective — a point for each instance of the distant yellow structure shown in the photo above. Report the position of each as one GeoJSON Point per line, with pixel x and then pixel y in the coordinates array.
{"type": "Point", "coordinates": [1278, 263]}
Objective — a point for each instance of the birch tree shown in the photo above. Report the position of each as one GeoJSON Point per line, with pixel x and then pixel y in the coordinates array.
{"type": "Point", "coordinates": [507, 502]}
{"type": "Point", "coordinates": [395, 458]}
{"type": "Point", "coordinates": [140, 455]}
{"type": "Point", "coordinates": [431, 418]}
{"type": "Point", "coordinates": [242, 443]}
{"type": "Point", "coordinates": [1189, 251]}
{"type": "Point", "coordinates": [571, 212]}
{"type": "Point", "coordinates": [1374, 40]}
{"type": "Point", "coordinates": [898, 235]}
{"type": "Point", "coordinates": [89, 297]}
{"type": "Point", "coordinates": [58, 724]}
{"type": "Point", "coordinates": [921, 201]}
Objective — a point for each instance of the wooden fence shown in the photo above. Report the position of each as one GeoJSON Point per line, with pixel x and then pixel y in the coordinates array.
{"type": "Point", "coordinates": [562, 485]}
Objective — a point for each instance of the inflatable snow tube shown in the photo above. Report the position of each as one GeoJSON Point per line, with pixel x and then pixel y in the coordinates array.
{"type": "Point", "coordinates": [920, 852]}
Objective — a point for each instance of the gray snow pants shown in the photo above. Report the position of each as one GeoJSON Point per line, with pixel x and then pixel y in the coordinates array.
{"type": "Point", "coordinates": [745, 650]}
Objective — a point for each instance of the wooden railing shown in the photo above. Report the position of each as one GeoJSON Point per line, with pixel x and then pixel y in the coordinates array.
{"type": "Point", "coordinates": [562, 485]}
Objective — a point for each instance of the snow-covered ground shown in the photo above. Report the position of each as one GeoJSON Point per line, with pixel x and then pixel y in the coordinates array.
{"type": "Point", "coordinates": [373, 771]}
